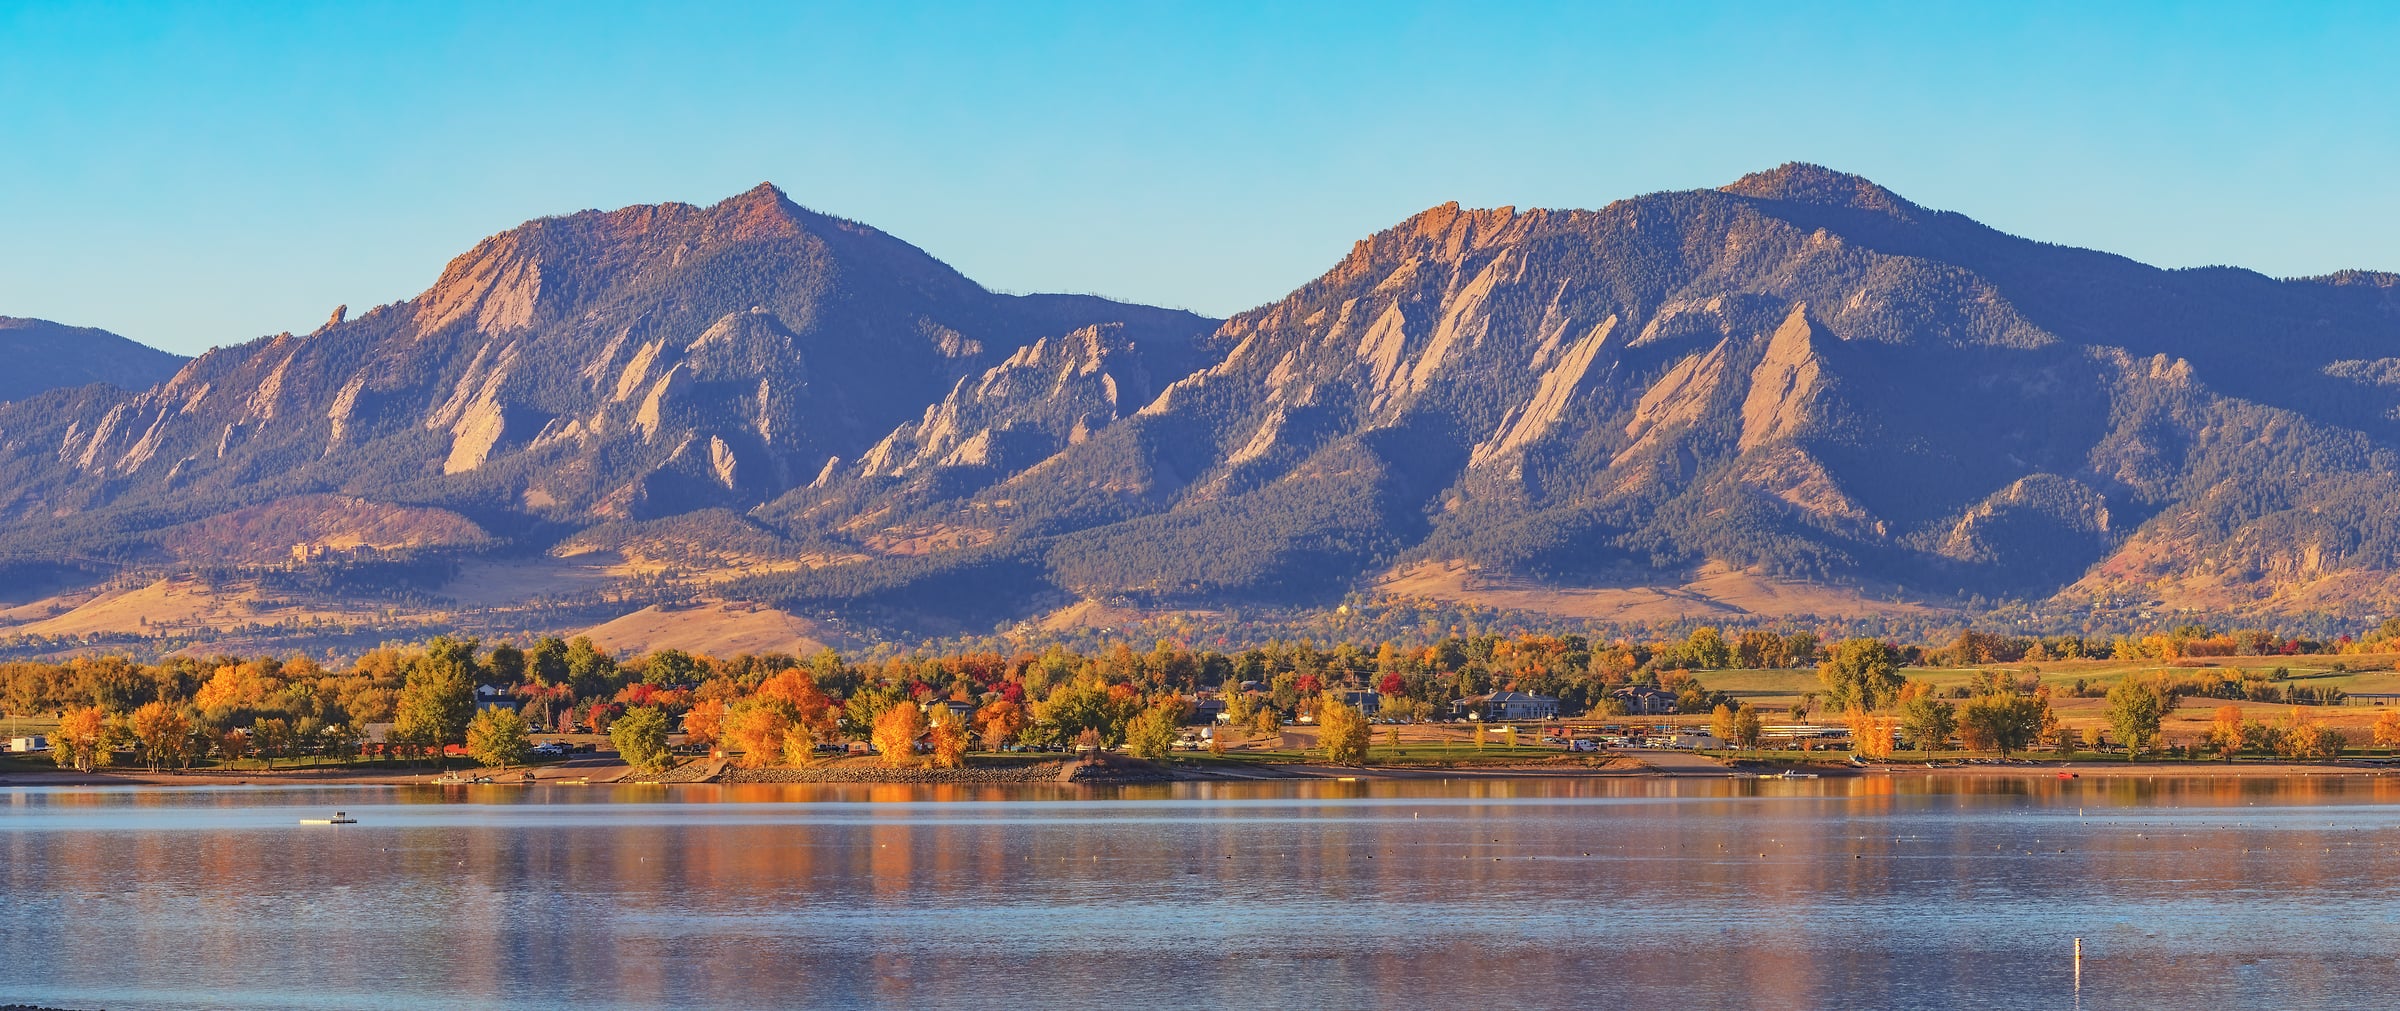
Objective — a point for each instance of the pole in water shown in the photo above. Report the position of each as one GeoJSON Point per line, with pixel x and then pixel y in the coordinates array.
{"type": "Point", "coordinates": [2079, 963]}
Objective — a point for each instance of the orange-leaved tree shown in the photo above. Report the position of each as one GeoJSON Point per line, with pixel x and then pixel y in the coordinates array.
{"type": "Point", "coordinates": [756, 727]}
{"type": "Point", "coordinates": [896, 733]}
{"type": "Point", "coordinates": [165, 734]}
{"type": "Point", "coordinates": [1872, 736]}
{"type": "Point", "coordinates": [81, 740]}
{"type": "Point", "coordinates": [2225, 732]}
{"type": "Point", "coordinates": [704, 723]}
{"type": "Point", "coordinates": [1001, 721]}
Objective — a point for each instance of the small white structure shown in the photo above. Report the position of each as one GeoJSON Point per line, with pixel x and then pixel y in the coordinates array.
{"type": "Point", "coordinates": [28, 745]}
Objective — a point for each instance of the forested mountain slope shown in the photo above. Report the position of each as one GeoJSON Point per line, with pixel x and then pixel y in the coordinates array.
{"type": "Point", "coordinates": [1801, 380]}
{"type": "Point", "coordinates": [40, 355]}
{"type": "Point", "coordinates": [632, 364]}
{"type": "Point", "coordinates": [1801, 375]}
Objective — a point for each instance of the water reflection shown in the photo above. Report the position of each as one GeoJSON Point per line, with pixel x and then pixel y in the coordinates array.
{"type": "Point", "coordinates": [1901, 892]}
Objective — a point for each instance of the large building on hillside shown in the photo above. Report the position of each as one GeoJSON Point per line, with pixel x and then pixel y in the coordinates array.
{"type": "Point", "coordinates": [1506, 706]}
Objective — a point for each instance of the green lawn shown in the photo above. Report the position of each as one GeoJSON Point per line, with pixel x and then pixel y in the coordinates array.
{"type": "Point", "coordinates": [1780, 689]}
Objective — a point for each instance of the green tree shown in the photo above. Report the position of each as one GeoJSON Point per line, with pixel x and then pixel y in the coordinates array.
{"type": "Point", "coordinates": [1861, 674]}
{"type": "Point", "coordinates": [1152, 734]}
{"type": "Point", "coordinates": [1748, 727]}
{"type": "Point", "coordinates": [640, 737]}
{"type": "Point", "coordinates": [546, 662]}
{"type": "Point", "coordinates": [496, 737]}
{"type": "Point", "coordinates": [1343, 730]}
{"type": "Point", "coordinates": [670, 667]}
{"type": "Point", "coordinates": [437, 699]}
{"type": "Point", "coordinates": [1706, 647]}
{"type": "Point", "coordinates": [2136, 707]}
{"type": "Point", "coordinates": [273, 737]}
{"type": "Point", "coordinates": [2004, 723]}
{"type": "Point", "coordinates": [592, 673]}
{"type": "Point", "coordinates": [1927, 722]}
{"type": "Point", "coordinates": [508, 665]}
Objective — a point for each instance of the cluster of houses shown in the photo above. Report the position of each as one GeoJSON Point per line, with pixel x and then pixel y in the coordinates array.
{"type": "Point", "coordinates": [1495, 707]}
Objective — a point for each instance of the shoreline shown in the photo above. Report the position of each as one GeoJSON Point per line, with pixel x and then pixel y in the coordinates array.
{"type": "Point", "coordinates": [1116, 770]}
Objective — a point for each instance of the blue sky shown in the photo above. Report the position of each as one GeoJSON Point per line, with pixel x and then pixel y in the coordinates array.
{"type": "Point", "coordinates": [200, 175]}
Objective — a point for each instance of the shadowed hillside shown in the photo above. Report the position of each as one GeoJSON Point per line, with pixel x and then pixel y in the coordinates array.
{"type": "Point", "coordinates": [41, 355]}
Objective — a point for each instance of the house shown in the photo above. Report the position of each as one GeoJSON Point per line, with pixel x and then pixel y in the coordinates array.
{"type": "Point", "coordinates": [493, 697]}
{"type": "Point", "coordinates": [28, 745]}
{"type": "Point", "coordinates": [1505, 706]}
{"type": "Point", "coordinates": [963, 710]}
{"type": "Point", "coordinates": [1645, 700]}
{"type": "Point", "coordinates": [1364, 700]}
{"type": "Point", "coordinates": [1205, 710]}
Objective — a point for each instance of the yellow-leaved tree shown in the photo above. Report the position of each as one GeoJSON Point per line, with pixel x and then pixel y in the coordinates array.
{"type": "Point", "coordinates": [81, 740]}
{"type": "Point", "coordinates": [896, 733]}
{"type": "Point", "coordinates": [165, 734]}
{"type": "Point", "coordinates": [1343, 730]}
{"type": "Point", "coordinates": [756, 727]}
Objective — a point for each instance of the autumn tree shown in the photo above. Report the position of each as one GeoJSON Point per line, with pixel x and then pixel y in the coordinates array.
{"type": "Point", "coordinates": [950, 739]}
{"type": "Point", "coordinates": [756, 729]}
{"type": "Point", "coordinates": [704, 723]}
{"type": "Point", "coordinates": [1871, 736]}
{"type": "Point", "coordinates": [81, 740]}
{"type": "Point", "coordinates": [165, 735]}
{"type": "Point", "coordinates": [232, 687]}
{"type": "Point", "coordinates": [2225, 732]}
{"type": "Point", "coordinates": [2387, 729]}
{"type": "Point", "coordinates": [999, 722]}
{"type": "Point", "coordinates": [896, 733]}
{"type": "Point", "coordinates": [497, 738]}
{"type": "Point", "coordinates": [1720, 722]}
{"type": "Point", "coordinates": [1343, 730]}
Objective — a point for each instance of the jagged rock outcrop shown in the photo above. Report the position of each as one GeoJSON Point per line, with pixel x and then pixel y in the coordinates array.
{"type": "Point", "coordinates": [1801, 374]}
{"type": "Point", "coordinates": [601, 365]}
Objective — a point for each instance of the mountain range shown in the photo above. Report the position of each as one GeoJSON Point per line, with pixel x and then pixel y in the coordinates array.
{"type": "Point", "coordinates": [43, 355]}
{"type": "Point", "coordinates": [1799, 393]}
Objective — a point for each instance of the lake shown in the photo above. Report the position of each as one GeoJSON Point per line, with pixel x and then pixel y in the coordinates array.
{"type": "Point", "coordinates": [1471, 893]}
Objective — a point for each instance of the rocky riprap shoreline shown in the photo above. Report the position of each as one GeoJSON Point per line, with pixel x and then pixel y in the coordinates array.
{"type": "Point", "coordinates": [1102, 772]}
{"type": "Point", "coordinates": [1041, 772]}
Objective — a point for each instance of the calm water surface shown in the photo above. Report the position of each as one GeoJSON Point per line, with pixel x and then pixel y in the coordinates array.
{"type": "Point", "coordinates": [1477, 893]}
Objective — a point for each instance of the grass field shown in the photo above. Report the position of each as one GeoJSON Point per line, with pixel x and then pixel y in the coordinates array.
{"type": "Point", "coordinates": [1774, 690]}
